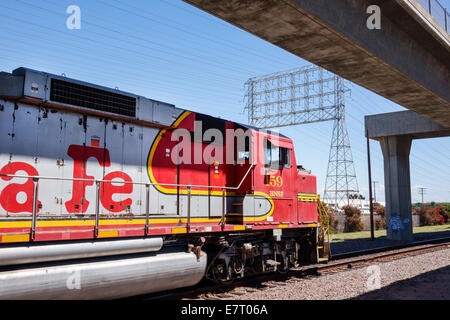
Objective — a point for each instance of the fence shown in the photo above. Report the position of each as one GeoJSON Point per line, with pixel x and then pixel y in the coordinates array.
{"type": "Point", "coordinates": [438, 12]}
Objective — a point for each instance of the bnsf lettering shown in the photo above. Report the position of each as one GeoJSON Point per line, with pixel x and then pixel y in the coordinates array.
{"type": "Point", "coordinates": [78, 203]}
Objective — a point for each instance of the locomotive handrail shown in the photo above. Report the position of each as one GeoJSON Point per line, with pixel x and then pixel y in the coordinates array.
{"type": "Point", "coordinates": [128, 182]}
{"type": "Point", "coordinates": [323, 211]}
{"type": "Point", "coordinates": [97, 198]}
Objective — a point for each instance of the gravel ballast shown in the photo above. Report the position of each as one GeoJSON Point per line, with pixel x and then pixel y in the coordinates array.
{"type": "Point", "coordinates": [423, 276]}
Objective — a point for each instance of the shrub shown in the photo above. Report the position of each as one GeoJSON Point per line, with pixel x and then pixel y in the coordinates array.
{"type": "Point", "coordinates": [431, 216]}
{"type": "Point", "coordinates": [352, 219]}
{"type": "Point", "coordinates": [350, 211]}
{"type": "Point", "coordinates": [353, 224]}
{"type": "Point", "coordinates": [442, 212]}
{"type": "Point", "coordinates": [439, 213]}
{"type": "Point", "coordinates": [380, 223]}
{"type": "Point", "coordinates": [417, 210]}
{"type": "Point", "coordinates": [333, 223]}
{"type": "Point", "coordinates": [381, 211]}
{"type": "Point", "coordinates": [447, 209]}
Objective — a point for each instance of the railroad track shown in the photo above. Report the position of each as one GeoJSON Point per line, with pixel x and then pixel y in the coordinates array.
{"type": "Point", "coordinates": [207, 291]}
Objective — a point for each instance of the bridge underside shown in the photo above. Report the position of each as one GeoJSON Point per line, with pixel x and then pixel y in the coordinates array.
{"type": "Point", "coordinates": [407, 61]}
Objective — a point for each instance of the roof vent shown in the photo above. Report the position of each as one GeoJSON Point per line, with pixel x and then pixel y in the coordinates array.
{"type": "Point", "coordinates": [92, 98]}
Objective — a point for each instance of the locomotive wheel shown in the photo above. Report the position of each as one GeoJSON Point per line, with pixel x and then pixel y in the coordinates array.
{"type": "Point", "coordinates": [226, 282]}
{"type": "Point", "coordinates": [283, 267]}
{"type": "Point", "coordinates": [282, 271]}
{"type": "Point", "coordinates": [219, 272]}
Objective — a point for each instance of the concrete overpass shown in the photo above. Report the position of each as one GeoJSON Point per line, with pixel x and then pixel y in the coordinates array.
{"type": "Point", "coordinates": [406, 61]}
{"type": "Point", "coordinates": [395, 131]}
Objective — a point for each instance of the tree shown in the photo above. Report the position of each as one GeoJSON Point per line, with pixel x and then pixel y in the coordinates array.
{"type": "Point", "coordinates": [379, 209]}
{"type": "Point", "coordinates": [352, 219]}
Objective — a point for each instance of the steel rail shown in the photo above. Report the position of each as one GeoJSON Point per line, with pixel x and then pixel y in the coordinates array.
{"type": "Point", "coordinates": [360, 257]}
{"type": "Point", "coordinates": [371, 257]}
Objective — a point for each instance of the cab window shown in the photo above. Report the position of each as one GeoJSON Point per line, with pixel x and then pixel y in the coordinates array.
{"type": "Point", "coordinates": [267, 153]}
{"type": "Point", "coordinates": [276, 157]}
{"type": "Point", "coordinates": [285, 157]}
{"type": "Point", "coordinates": [243, 155]}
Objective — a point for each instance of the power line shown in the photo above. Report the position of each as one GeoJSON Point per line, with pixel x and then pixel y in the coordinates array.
{"type": "Point", "coordinates": [368, 101]}
{"type": "Point", "coordinates": [187, 28]}
{"type": "Point", "coordinates": [127, 76]}
{"type": "Point", "coordinates": [115, 60]}
{"type": "Point", "coordinates": [172, 51]}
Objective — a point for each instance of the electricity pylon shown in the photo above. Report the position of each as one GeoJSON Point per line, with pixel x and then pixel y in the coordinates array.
{"type": "Point", "coordinates": [307, 95]}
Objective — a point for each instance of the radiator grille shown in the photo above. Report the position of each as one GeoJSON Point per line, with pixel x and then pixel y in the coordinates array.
{"type": "Point", "coordinates": [92, 98]}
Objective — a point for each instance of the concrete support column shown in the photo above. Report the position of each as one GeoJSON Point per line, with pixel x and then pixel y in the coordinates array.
{"type": "Point", "coordinates": [397, 186]}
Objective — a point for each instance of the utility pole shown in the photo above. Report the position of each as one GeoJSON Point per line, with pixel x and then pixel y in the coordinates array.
{"type": "Point", "coordinates": [374, 191]}
{"type": "Point", "coordinates": [372, 232]}
{"type": "Point", "coordinates": [422, 192]}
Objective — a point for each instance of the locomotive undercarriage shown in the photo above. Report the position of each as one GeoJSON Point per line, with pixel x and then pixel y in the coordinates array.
{"type": "Point", "coordinates": [234, 256]}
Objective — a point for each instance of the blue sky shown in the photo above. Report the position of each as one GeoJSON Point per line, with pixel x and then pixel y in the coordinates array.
{"type": "Point", "coordinates": [170, 51]}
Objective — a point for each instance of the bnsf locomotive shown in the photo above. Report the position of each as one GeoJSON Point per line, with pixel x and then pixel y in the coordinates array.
{"type": "Point", "coordinates": [106, 194]}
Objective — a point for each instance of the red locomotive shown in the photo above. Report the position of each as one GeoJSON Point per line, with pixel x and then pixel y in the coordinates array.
{"type": "Point", "coordinates": [83, 167]}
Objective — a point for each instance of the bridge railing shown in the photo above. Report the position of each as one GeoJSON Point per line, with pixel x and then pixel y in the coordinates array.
{"type": "Point", "coordinates": [438, 11]}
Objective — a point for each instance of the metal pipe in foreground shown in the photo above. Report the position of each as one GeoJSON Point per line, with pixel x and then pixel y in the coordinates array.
{"type": "Point", "coordinates": [111, 279]}
{"type": "Point", "coordinates": [65, 251]}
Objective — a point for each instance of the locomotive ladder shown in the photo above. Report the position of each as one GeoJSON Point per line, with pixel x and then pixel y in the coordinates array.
{"type": "Point", "coordinates": [323, 241]}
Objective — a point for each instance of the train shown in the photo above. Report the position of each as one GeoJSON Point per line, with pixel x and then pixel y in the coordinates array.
{"type": "Point", "coordinates": [106, 194]}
